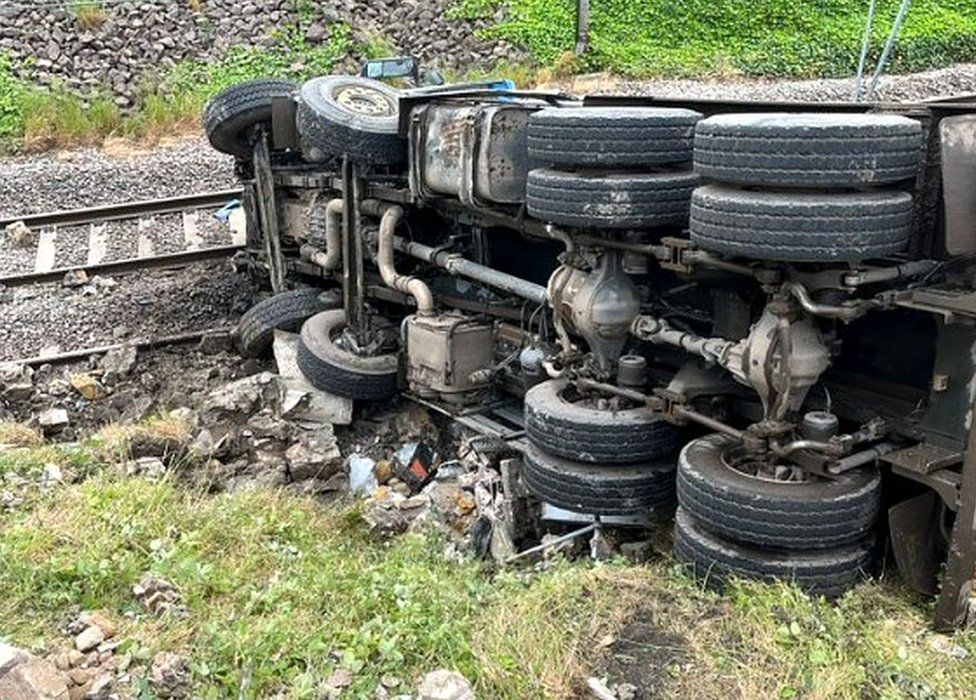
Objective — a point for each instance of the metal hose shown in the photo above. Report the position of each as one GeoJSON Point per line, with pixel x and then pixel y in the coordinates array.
{"type": "Point", "coordinates": [408, 284]}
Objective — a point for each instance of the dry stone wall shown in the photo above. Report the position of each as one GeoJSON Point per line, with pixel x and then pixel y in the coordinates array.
{"type": "Point", "coordinates": [133, 43]}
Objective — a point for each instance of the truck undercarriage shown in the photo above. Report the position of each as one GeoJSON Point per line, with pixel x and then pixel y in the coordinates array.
{"type": "Point", "coordinates": [783, 293]}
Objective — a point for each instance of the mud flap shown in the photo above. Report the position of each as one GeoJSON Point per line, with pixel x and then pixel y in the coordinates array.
{"type": "Point", "coordinates": [917, 541]}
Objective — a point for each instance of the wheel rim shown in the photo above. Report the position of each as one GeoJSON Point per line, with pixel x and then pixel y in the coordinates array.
{"type": "Point", "coordinates": [745, 464]}
{"type": "Point", "coordinates": [364, 100]}
{"type": "Point", "coordinates": [594, 401]}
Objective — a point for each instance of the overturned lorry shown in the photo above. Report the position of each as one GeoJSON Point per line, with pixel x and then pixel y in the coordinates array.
{"type": "Point", "coordinates": [763, 311]}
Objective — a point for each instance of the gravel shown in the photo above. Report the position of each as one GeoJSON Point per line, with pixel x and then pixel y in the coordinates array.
{"type": "Point", "coordinates": [54, 318]}
{"type": "Point", "coordinates": [958, 79]}
{"type": "Point", "coordinates": [54, 181]}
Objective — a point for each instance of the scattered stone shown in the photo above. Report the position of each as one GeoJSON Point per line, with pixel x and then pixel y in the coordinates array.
{"type": "Point", "coordinates": [20, 234]}
{"type": "Point", "coordinates": [31, 678]}
{"type": "Point", "coordinates": [118, 364]}
{"type": "Point", "coordinates": [16, 381]}
{"type": "Point", "coordinates": [599, 689]}
{"type": "Point", "coordinates": [300, 400]}
{"type": "Point", "coordinates": [637, 552]}
{"type": "Point", "coordinates": [158, 595]}
{"type": "Point", "coordinates": [943, 644]}
{"type": "Point", "coordinates": [10, 656]}
{"type": "Point", "coordinates": [444, 685]}
{"type": "Point", "coordinates": [75, 278]}
{"type": "Point", "coordinates": [89, 387]}
{"type": "Point", "coordinates": [362, 478]}
{"type": "Point", "coordinates": [149, 467]}
{"type": "Point", "coordinates": [53, 420]}
{"type": "Point", "coordinates": [340, 678]}
{"type": "Point", "coordinates": [315, 456]}
{"type": "Point", "coordinates": [101, 688]}
{"type": "Point", "coordinates": [626, 691]}
{"type": "Point", "coordinates": [170, 676]}
{"type": "Point", "coordinates": [90, 638]}
{"type": "Point", "coordinates": [100, 619]}
{"type": "Point", "coordinates": [51, 475]}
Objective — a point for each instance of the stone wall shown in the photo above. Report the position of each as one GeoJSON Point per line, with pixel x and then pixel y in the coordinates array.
{"type": "Point", "coordinates": [135, 42]}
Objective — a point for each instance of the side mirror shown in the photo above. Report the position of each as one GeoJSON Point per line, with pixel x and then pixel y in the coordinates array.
{"type": "Point", "coordinates": [392, 68]}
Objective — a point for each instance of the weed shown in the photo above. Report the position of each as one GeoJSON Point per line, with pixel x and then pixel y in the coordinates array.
{"type": "Point", "coordinates": [18, 435]}
{"type": "Point", "coordinates": [89, 14]}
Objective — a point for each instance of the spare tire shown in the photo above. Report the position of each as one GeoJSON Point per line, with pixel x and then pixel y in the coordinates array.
{"type": "Point", "coordinates": [715, 561]}
{"type": "Point", "coordinates": [610, 200]}
{"type": "Point", "coordinates": [800, 226]}
{"type": "Point", "coordinates": [285, 311]}
{"type": "Point", "coordinates": [231, 115]}
{"type": "Point", "coordinates": [808, 150]}
{"type": "Point", "coordinates": [815, 514]}
{"type": "Point", "coordinates": [350, 116]}
{"type": "Point", "coordinates": [562, 426]}
{"type": "Point", "coordinates": [598, 490]}
{"type": "Point", "coordinates": [332, 368]}
{"type": "Point", "coordinates": [611, 136]}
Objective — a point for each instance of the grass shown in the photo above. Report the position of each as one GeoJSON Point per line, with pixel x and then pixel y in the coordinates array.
{"type": "Point", "coordinates": [33, 119]}
{"type": "Point", "coordinates": [810, 38]}
{"type": "Point", "coordinates": [282, 591]}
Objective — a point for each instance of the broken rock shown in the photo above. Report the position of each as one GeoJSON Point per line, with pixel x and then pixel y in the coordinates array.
{"type": "Point", "coordinates": [32, 679]}
{"type": "Point", "coordinates": [300, 400]}
{"type": "Point", "coordinates": [158, 595]}
{"type": "Point", "coordinates": [90, 638]}
{"type": "Point", "coordinates": [444, 685]}
{"type": "Point", "coordinates": [89, 387]}
{"type": "Point", "coordinates": [20, 234]}
{"type": "Point", "coordinates": [315, 456]}
{"type": "Point", "coordinates": [16, 381]}
{"type": "Point", "coordinates": [119, 363]}
{"type": "Point", "coordinates": [75, 278]}
{"type": "Point", "coordinates": [53, 420]}
{"type": "Point", "coordinates": [170, 676]}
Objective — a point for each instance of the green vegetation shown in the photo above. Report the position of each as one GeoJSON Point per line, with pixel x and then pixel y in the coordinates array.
{"type": "Point", "coordinates": [281, 591]}
{"type": "Point", "coordinates": [720, 37]}
{"type": "Point", "coordinates": [36, 118]}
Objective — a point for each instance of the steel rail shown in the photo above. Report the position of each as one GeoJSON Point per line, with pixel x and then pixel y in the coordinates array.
{"type": "Point", "coordinates": [145, 344]}
{"type": "Point", "coordinates": [114, 267]}
{"type": "Point", "coordinates": [126, 210]}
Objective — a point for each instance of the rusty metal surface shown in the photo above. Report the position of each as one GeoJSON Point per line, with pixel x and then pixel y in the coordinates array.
{"type": "Point", "coordinates": [958, 138]}
{"type": "Point", "coordinates": [952, 605]}
{"type": "Point", "coordinates": [477, 153]}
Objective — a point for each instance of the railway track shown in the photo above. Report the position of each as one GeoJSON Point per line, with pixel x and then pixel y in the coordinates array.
{"type": "Point", "coordinates": [45, 266]}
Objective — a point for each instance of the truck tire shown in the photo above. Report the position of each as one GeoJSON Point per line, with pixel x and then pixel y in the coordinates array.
{"type": "Point", "coordinates": [800, 226]}
{"type": "Point", "coordinates": [611, 136]}
{"type": "Point", "coordinates": [331, 368]}
{"type": "Point", "coordinates": [557, 425]}
{"type": "Point", "coordinates": [714, 561]}
{"type": "Point", "coordinates": [790, 515]}
{"type": "Point", "coordinates": [357, 117]}
{"type": "Point", "coordinates": [285, 311]}
{"type": "Point", "coordinates": [808, 150]}
{"type": "Point", "coordinates": [598, 490]}
{"type": "Point", "coordinates": [231, 115]}
{"type": "Point", "coordinates": [610, 200]}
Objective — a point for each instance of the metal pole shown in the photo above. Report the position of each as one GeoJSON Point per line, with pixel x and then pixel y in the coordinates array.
{"type": "Point", "coordinates": [582, 26]}
{"type": "Point", "coordinates": [353, 278]}
{"type": "Point", "coordinates": [865, 44]}
{"type": "Point", "coordinates": [552, 543]}
{"type": "Point", "coordinates": [889, 45]}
